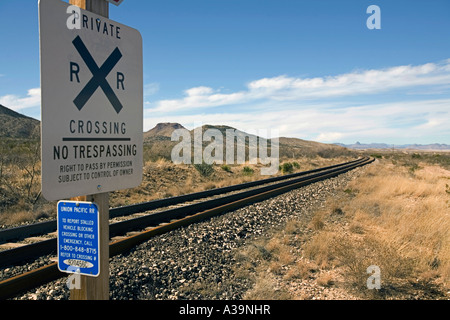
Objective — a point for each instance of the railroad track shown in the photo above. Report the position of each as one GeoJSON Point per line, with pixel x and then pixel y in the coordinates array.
{"type": "Point", "coordinates": [27, 242]}
{"type": "Point", "coordinates": [145, 220]}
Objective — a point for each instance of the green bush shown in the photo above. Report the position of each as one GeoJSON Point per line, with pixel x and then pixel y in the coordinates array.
{"type": "Point", "coordinates": [204, 169]}
{"type": "Point", "coordinates": [226, 168]}
{"type": "Point", "coordinates": [287, 167]}
{"type": "Point", "coordinates": [248, 171]}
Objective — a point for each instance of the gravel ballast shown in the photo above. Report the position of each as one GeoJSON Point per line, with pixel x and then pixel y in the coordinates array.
{"type": "Point", "coordinates": [197, 262]}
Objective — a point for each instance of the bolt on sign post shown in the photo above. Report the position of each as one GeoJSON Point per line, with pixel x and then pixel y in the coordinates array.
{"type": "Point", "coordinates": [92, 119]}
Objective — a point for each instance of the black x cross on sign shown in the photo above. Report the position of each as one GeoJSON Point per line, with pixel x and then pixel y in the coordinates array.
{"type": "Point", "coordinates": [98, 76]}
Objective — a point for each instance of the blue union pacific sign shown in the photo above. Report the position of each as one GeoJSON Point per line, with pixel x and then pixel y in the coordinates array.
{"type": "Point", "coordinates": [78, 238]}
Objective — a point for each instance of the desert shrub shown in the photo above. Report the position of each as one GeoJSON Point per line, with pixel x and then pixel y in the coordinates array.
{"type": "Point", "coordinates": [204, 169]}
{"type": "Point", "coordinates": [226, 168]}
{"type": "Point", "coordinates": [333, 153]}
{"type": "Point", "coordinates": [287, 167]}
{"type": "Point", "coordinates": [20, 168]}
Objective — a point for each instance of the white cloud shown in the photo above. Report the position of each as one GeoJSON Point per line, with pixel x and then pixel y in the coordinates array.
{"type": "Point", "coordinates": [199, 91]}
{"type": "Point", "coordinates": [284, 88]}
{"type": "Point", "coordinates": [151, 89]}
{"type": "Point", "coordinates": [367, 105]}
{"type": "Point", "coordinates": [351, 84]}
{"type": "Point", "coordinates": [404, 122]}
{"type": "Point", "coordinates": [330, 136]}
{"type": "Point", "coordinates": [17, 103]}
{"type": "Point", "coordinates": [200, 97]}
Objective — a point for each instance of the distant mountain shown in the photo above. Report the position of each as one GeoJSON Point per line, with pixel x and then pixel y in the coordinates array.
{"type": "Point", "coordinates": [434, 146]}
{"type": "Point", "coordinates": [159, 144]}
{"type": "Point", "coordinates": [364, 146]}
{"type": "Point", "coordinates": [294, 147]}
{"type": "Point", "coordinates": [162, 130]}
{"type": "Point", "coordinates": [290, 147]}
{"type": "Point", "coordinates": [16, 125]}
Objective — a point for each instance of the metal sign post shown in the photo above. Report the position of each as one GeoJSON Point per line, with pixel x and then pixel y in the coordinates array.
{"type": "Point", "coordinates": [96, 288]}
{"type": "Point", "coordinates": [92, 119]}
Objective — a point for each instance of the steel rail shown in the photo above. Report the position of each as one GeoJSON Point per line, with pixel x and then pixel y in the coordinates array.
{"type": "Point", "coordinates": [34, 250]}
{"type": "Point", "coordinates": [18, 284]}
{"type": "Point", "coordinates": [50, 226]}
{"type": "Point", "coordinates": [177, 213]}
{"type": "Point", "coordinates": [127, 243]}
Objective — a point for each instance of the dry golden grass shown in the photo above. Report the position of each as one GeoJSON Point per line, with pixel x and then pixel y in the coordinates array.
{"type": "Point", "coordinates": [325, 280]}
{"type": "Point", "coordinates": [390, 216]}
{"type": "Point", "coordinates": [302, 269]}
{"type": "Point", "coordinates": [396, 219]}
{"type": "Point", "coordinates": [267, 288]}
{"type": "Point", "coordinates": [317, 222]}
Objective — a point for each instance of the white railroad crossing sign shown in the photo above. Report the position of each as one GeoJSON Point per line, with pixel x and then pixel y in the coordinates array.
{"type": "Point", "coordinates": [92, 102]}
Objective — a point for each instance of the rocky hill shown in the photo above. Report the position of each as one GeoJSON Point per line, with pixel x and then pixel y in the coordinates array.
{"type": "Point", "coordinates": [18, 126]}
{"type": "Point", "coordinates": [159, 144]}
{"type": "Point", "coordinates": [162, 130]}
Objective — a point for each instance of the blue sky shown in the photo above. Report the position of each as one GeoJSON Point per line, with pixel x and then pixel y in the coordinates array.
{"type": "Point", "coordinates": [307, 69]}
